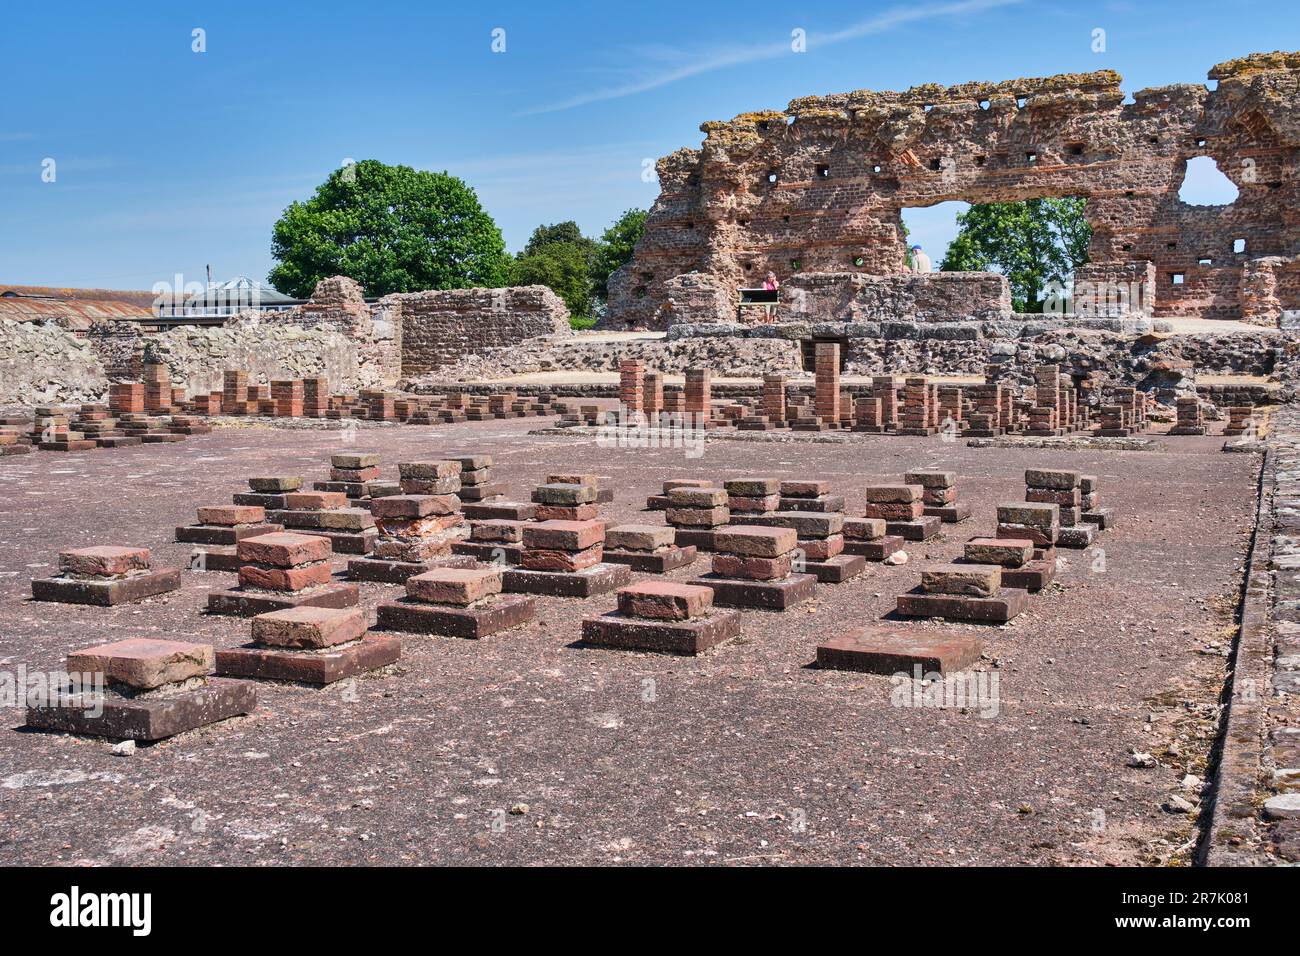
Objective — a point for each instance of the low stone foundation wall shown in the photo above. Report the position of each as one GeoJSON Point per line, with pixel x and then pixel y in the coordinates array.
{"type": "Point", "coordinates": [45, 364]}
{"type": "Point", "coordinates": [197, 357]}
{"type": "Point", "coordinates": [440, 328]}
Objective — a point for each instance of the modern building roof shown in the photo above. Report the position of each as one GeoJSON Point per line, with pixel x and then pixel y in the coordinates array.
{"type": "Point", "coordinates": [79, 306]}
{"type": "Point", "coordinates": [241, 291]}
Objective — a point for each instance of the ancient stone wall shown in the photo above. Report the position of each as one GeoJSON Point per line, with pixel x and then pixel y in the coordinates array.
{"type": "Point", "coordinates": [338, 304]}
{"type": "Point", "coordinates": [441, 326]}
{"type": "Point", "coordinates": [820, 187]}
{"type": "Point", "coordinates": [42, 363]}
{"type": "Point", "coordinates": [198, 356]}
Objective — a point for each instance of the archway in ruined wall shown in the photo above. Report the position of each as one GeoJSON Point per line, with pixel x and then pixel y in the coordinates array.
{"type": "Point", "coordinates": [818, 187]}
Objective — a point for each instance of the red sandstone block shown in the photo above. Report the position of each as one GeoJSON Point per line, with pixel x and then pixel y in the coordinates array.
{"type": "Point", "coordinates": [697, 497]}
{"type": "Point", "coordinates": [1067, 497]}
{"type": "Point", "coordinates": [698, 517]}
{"type": "Point", "coordinates": [864, 529]}
{"type": "Point", "coordinates": [1008, 552]}
{"type": "Point", "coordinates": [428, 470]}
{"type": "Point", "coordinates": [315, 500]}
{"type": "Point", "coordinates": [753, 541]}
{"type": "Point", "coordinates": [353, 474]}
{"type": "Point", "coordinates": [939, 496]}
{"type": "Point", "coordinates": [564, 535]}
{"type": "Point", "coordinates": [550, 560]}
{"type": "Point", "coordinates": [822, 549]}
{"type": "Point", "coordinates": [752, 487]}
{"type": "Point", "coordinates": [573, 478]}
{"type": "Point", "coordinates": [498, 529]}
{"type": "Point", "coordinates": [310, 627]}
{"type": "Point", "coordinates": [459, 586]}
{"type": "Point", "coordinates": [231, 515]}
{"type": "Point", "coordinates": [895, 512]}
{"type": "Point", "coordinates": [751, 568]}
{"type": "Point", "coordinates": [144, 663]}
{"type": "Point", "coordinates": [665, 600]}
{"type": "Point", "coordinates": [103, 560]}
{"type": "Point", "coordinates": [931, 478]}
{"type": "Point", "coordinates": [639, 537]}
{"type": "Point", "coordinates": [284, 579]}
{"type": "Point", "coordinates": [564, 513]}
{"type": "Point", "coordinates": [892, 494]}
{"type": "Point", "coordinates": [672, 483]}
{"type": "Point", "coordinates": [976, 580]}
{"type": "Point", "coordinates": [414, 506]}
{"type": "Point", "coordinates": [805, 489]}
{"type": "Point", "coordinates": [284, 549]}
{"type": "Point", "coordinates": [752, 505]}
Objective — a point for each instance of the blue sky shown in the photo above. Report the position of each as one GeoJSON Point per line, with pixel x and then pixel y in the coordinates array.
{"type": "Point", "coordinates": [167, 159]}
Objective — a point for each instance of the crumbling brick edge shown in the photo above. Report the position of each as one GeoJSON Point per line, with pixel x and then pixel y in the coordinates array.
{"type": "Point", "coordinates": [1235, 811]}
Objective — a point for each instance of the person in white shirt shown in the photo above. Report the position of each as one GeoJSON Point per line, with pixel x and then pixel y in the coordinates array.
{"type": "Point", "coordinates": [920, 261]}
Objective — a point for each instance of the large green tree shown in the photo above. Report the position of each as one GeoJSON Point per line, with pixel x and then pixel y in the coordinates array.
{"type": "Point", "coordinates": [1032, 243]}
{"type": "Point", "coordinates": [393, 229]}
{"type": "Point", "coordinates": [615, 248]}
{"type": "Point", "coordinates": [564, 267]}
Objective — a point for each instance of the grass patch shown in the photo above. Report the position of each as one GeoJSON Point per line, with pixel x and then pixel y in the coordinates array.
{"type": "Point", "coordinates": [581, 323]}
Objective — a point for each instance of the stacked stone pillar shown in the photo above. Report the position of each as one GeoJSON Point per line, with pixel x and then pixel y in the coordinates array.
{"type": "Point", "coordinates": [564, 558]}
{"type": "Point", "coordinates": [309, 645]}
{"type": "Point", "coordinates": [902, 509]}
{"type": "Point", "coordinates": [696, 513]}
{"type": "Point", "coordinates": [456, 602]}
{"type": "Point", "coordinates": [1061, 488]}
{"type": "Point", "coordinates": [105, 576]}
{"type": "Point", "coordinates": [154, 689]}
{"type": "Point", "coordinates": [218, 530]}
{"type": "Point", "coordinates": [963, 592]}
{"type": "Point", "coordinates": [663, 617]}
{"type": "Point", "coordinates": [753, 567]}
{"type": "Point", "coordinates": [283, 570]}
{"type": "Point", "coordinates": [939, 495]}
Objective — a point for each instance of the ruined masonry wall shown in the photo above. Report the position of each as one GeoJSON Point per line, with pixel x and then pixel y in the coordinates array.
{"type": "Point", "coordinates": [819, 187]}
{"type": "Point", "coordinates": [439, 328]}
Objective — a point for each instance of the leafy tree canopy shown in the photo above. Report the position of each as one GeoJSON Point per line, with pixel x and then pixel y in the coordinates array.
{"type": "Point", "coordinates": [391, 228]}
{"type": "Point", "coordinates": [615, 248]}
{"type": "Point", "coordinates": [564, 267]}
{"type": "Point", "coordinates": [1032, 243]}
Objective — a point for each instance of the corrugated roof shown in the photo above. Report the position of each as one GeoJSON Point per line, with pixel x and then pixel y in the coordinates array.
{"type": "Point", "coordinates": [143, 299]}
{"type": "Point", "coordinates": [78, 311]}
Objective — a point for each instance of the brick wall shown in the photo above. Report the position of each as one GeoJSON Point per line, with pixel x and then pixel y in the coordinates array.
{"type": "Point", "coordinates": [440, 327]}
{"type": "Point", "coordinates": [820, 186]}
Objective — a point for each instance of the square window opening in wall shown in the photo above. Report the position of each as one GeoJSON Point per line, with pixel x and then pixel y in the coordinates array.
{"type": "Point", "coordinates": [1154, 140]}
{"type": "Point", "coordinates": [984, 104]}
{"type": "Point", "coordinates": [1076, 149]}
{"type": "Point", "coordinates": [1176, 278]}
{"type": "Point", "coordinates": [690, 225]}
{"type": "Point", "coordinates": [1031, 157]}
{"type": "Point", "coordinates": [1127, 247]}
{"type": "Point", "coordinates": [1129, 194]}
{"type": "Point", "coordinates": [1205, 262]}
{"type": "Point", "coordinates": [875, 169]}
{"type": "Point", "coordinates": [823, 172]}
{"type": "Point", "coordinates": [1200, 144]}
{"type": "Point", "coordinates": [1239, 245]}
{"type": "Point", "coordinates": [1021, 101]}
{"type": "Point", "coordinates": [772, 177]}
{"type": "Point", "coordinates": [981, 160]}
{"type": "Point", "coordinates": [936, 163]}
{"type": "Point", "coordinates": [1171, 245]}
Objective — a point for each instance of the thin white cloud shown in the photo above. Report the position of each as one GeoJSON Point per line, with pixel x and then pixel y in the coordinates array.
{"type": "Point", "coordinates": [723, 57]}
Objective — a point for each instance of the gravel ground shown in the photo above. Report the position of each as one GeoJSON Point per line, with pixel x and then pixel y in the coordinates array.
{"type": "Point", "coordinates": [524, 749]}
